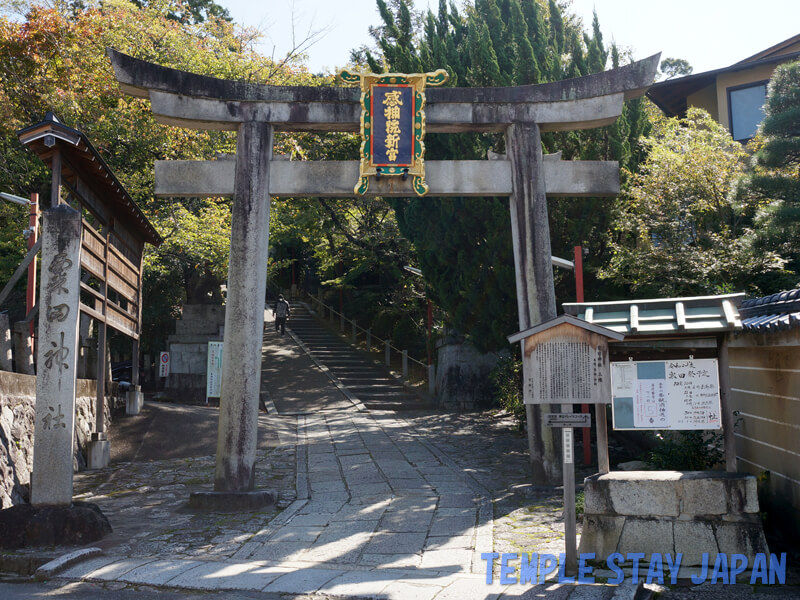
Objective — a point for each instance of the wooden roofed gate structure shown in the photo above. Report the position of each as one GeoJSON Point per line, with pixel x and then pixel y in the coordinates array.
{"type": "Point", "coordinates": [92, 245]}
{"type": "Point", "coordinates": [255, 111]}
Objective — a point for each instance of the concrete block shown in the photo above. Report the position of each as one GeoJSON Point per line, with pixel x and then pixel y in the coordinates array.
{"type": "Point", "coordinates": [98, 454]}
{"type": "Point", "coordinates": [597, 500]}
{"type": "Point", "coordinates": [600, 534]}
{"type": "Point", "coordinates": [134, 402]}
{"type": "Point", "coordinates": [231, 501]}
{"type": "Point", "coordinates": [646, 535]}
{"type": "Point", "coordinates": [643, 493]}
{"type": "Point", "coordinates": [741, 538]}
{"type": "Point", "coordinates": [704, 496]}
{"type": "Point", "coordinates": [5, 343]}
{"type": "Point", "coordinates": [693, 539]}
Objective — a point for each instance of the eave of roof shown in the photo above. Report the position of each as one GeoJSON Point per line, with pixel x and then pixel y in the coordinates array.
{"type": "Point", "coordinates": [569, 320]}
{"type": "Point", "coordinates": [670, 95]}
{"type": "Point", "coordinates": [659, 317]}
{"type": "Point", "coordinates": [33, 138]}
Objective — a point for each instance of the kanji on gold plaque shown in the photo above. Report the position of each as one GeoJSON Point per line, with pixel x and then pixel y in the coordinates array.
{"type": "Point", "coordinates": [393, 125]}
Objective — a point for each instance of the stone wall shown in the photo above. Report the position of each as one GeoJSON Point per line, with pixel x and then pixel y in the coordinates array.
{"type": "Point", "coordinates": [17, 410]}
{"type": "Point", "coordinates": [462, 375]}
{"type": "Point", "coordinates": [667, 512]}
{"type": "Point", "coordinates": [188, 350]}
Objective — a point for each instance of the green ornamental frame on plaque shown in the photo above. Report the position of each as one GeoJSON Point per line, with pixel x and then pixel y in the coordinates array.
{"type": "Point", "coordinates": [393, 132]}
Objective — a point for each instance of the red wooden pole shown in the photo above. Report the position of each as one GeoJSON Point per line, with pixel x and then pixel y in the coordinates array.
{"type": "Point", "coordinates": [33, 224]}
{"type": "Point", "coordinates": [587, 444]}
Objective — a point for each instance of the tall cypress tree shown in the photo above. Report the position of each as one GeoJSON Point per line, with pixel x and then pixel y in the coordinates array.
{"type": "Point", "coordinates": [777, 176]}
{"type": "Point", "coordinates": [464, 244]}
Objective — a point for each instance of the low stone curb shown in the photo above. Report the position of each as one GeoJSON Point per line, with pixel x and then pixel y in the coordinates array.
{"type": "Point", "coordinates": [55, 566]}
{"type": "Point", "coordinates": [632, 591]}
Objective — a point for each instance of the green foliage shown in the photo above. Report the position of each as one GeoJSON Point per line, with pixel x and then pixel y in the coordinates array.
{"type": "Point", "coordinates": [56, 60]}
{"type": "Point", "coordinates": [686, 451]}
{"type": "Point", "coordinates": [507, 380]}
{"type": "Point", "coordinates": [675, 67]}
{"type": "Point", "coordinates": [679, 230]}
{"type": "Point", "coordinates": [464, 244]}
{"type": "Point", "coordinates": [775, 178]}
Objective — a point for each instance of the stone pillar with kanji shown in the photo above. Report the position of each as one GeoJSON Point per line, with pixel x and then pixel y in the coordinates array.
{"type": "Point", "coordinates": [51, 480]}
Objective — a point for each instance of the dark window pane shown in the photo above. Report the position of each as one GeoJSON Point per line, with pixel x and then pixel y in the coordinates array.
{"type": "Point", "coordinates": [747, 110]}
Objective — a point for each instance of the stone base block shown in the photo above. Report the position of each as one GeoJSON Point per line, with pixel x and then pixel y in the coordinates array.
{"type": "Point", "coordinates": [134, 402]}
{"type": "Point", "coordinates": [669, 512]}
{"type": "Point", "coordinates": [231, 501]}
{"type": "Point", "coordinates": [98, 454]}
{"type": "Point", "coordinates": [76, 524]}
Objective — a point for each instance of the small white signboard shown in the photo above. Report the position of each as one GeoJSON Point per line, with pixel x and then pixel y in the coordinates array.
{"type": "Point", "coordinates": [163, 365]}
{"type": "Point", "coordinates": [214, 370]}
{"type": "Point", "coordinates": [666, 394]}
{"type": "Point", "coordinates": [568, 419]}
{"type": "Point", "coordinates": [566, 438]}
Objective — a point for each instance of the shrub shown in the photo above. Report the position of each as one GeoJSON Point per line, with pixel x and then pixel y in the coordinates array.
{"type": "Point", "coordinates": [507, 380]}
{"type": "Point", "coordinates": [686, 451]}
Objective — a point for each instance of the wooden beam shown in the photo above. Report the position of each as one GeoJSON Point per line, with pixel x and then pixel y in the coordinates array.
{"type": "Point", "coordinates": [335, 179]}
{"type": "Point", "coordinates": [20, 270]}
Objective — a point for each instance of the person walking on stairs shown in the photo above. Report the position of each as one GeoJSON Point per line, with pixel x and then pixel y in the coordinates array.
{"type": "Point", "coordinates": [281, 313]}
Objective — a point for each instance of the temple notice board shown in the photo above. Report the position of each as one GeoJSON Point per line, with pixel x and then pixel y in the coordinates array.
{"type": "Point", "coordinates": [666, 394]}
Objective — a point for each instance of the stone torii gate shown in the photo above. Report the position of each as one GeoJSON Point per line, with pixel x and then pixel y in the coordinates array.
{"type": "Point", "coordinates": [255, 111]}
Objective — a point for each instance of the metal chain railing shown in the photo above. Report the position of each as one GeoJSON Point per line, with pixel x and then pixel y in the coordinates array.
{"type": "Point", "coordinates": [413, 371]}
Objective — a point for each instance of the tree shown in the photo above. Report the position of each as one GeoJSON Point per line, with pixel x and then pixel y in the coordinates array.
{"type": "Point", "coordinates": [675, 67]}
{"type": "Point", "coordinates": [678, 230]}
{"type": "Point", "coordinates": [55, 60]}
{"type": "Point", "coordinates": [464, 244]}
{"type": "Point", "coordinates": [776, 176]}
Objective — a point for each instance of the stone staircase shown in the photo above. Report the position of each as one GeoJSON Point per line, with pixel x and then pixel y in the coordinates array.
{"type": "Point", "coordinates": [354, 369]}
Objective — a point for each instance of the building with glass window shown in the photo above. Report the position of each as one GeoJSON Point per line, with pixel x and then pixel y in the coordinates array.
{"type": "Point", "coordinates": [734, 95]}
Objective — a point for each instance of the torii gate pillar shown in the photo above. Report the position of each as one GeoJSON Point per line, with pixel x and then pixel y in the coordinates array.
{"type": "Point", "coordinates": [536, 300]}
{"type": "Point", "coordinates": [237, 435]}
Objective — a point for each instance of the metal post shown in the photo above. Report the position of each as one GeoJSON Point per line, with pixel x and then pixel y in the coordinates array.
{"type": "Point", "coordinates": [724, 401]}
{"type": "Point", "coordinates": [387, 350]}
{"type": "Point", "coordinates": [568, 467]}
{"type": "Point", "coordinates": [585, 431]}
{"type": "Point", "coordinates": [33, 228]}
{"type": "Point", "coordinates": [369, 340]}
{"type": "Point", "coordinates": [405, 365]}
{"type": "Point", "coordinates": [602, 438]}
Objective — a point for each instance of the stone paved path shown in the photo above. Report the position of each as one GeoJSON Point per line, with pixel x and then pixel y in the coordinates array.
{"type": "Point", "coordinates": [372, 504]}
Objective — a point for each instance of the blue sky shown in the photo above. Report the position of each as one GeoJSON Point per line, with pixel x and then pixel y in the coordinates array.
{"type": "Point", "coordinates": [708, 33]}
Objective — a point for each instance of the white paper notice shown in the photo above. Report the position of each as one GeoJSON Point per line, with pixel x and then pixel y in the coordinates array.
{"type": "Point", "coordinates": [650, 404]}
{"type": "Point", "coordinates": [623, 376]}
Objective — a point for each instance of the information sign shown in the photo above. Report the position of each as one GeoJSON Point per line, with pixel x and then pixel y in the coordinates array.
{"type": "Point", "coordinates": [568, 419]}
{"type": "Point", "coordinates": [163, 365]}
{"type": "Point", "coordinates": [666, 394]}
{"type": "Point", "coordinates": [214, 370]}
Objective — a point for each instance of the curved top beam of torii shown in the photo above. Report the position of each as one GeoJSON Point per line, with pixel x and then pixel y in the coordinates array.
{"type": "Point", "coordinates": [202, 102]}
